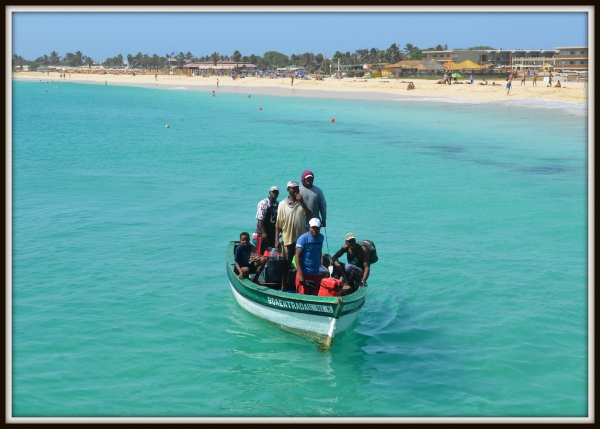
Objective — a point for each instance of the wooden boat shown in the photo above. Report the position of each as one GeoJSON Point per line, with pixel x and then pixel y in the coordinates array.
{"type": "Point", "coordinates": [318, 317]}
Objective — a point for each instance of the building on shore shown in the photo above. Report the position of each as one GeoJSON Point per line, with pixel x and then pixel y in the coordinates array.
{"type": "Point", "coordinates": [518, 59]}
{"type": "Point", "coordinates": [571, 58]}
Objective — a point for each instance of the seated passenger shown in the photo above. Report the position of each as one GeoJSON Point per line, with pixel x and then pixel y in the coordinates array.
{"type": "Point", "coordinates": [357, 270]}
{"type": "Point", "coordinates": [246, 260]}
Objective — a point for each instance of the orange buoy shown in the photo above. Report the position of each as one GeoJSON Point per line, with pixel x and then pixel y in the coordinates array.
{"type": "Point", "coordinates": [332, 119]}
{"type": "Point", "coordinates": [260, 108]}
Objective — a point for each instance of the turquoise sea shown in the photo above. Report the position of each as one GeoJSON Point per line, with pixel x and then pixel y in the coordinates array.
{"type": "Point", "coordinates": [121, 307]}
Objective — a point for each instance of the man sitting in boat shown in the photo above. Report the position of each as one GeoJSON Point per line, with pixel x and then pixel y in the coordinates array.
{"type": "Point", "coordinates": [358, 267]}
{"type": "Point", "coordinates": [308, 259]}
{"type": "Point", "coordinates": [246, 260]}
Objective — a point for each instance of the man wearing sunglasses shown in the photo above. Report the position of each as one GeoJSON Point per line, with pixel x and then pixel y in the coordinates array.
{"type": "Point", "coordinates": [266, 216]}
{"type": "Point", "coordinates": [292, 218]}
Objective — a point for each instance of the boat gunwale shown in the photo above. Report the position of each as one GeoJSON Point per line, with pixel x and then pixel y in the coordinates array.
{"type": "Point", "coordinates": [334, 301]}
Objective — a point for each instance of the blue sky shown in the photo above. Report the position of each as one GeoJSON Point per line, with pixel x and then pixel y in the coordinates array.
{"type": "Point", "coordinates": [106, 34]}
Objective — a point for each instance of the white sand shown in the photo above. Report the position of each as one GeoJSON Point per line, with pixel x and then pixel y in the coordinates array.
{"type": "Point", "coordinates": [381, 88]}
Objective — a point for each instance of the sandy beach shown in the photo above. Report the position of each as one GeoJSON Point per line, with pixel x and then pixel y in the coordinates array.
{"type": "Point", "coordinates": [380, 88]}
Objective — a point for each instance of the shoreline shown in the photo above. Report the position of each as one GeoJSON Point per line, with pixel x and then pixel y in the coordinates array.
{"type": "Point", "coordinates": [348, 88]}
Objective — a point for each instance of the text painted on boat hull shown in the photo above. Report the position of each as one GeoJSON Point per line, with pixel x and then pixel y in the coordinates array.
{"type": "Point", "coordinates": [299, 305]}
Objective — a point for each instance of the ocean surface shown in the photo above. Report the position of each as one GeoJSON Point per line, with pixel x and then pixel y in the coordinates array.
{"type": "Point", "coordinates": [121, 307]}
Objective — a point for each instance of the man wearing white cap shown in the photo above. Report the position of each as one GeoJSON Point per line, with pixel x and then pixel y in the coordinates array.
{"type": "Point", "coordinates": [266, 216]}
{"type": "Point", "coordinates": [292, 216]}
{"type": "Point", "coordinates": [308, 259]}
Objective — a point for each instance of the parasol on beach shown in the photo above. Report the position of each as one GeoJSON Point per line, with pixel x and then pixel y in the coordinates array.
{"type": "Point", "coordinates": [457, 75]}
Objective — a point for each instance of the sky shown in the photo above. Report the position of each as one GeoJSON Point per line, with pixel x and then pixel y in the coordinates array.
{"type": "Point", "coordinates": [108, 32]}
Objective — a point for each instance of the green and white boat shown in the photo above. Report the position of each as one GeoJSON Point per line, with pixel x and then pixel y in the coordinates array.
{"type": "Point", "coordinates": [318, 317]}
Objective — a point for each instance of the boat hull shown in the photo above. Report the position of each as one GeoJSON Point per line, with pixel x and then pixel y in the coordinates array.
{"type": "Point", "coordinates": [320, 318]}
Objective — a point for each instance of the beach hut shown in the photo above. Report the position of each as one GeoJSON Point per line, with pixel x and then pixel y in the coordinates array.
{"type": "Point", "coordinates": [468, 65]}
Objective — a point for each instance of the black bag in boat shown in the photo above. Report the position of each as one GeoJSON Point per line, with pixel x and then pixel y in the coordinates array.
{"type": "Point", "coordinates": [273, 271]}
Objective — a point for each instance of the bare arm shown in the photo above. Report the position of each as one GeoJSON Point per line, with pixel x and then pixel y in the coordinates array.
{"type": "Point", "coordinates": [307, 212]}
{"type": "Point", "coordinates": [299, 266]}
{"type": "Point", "coordinates": [366, 265]}
{"type": "Point", "coordinates": [339, 253]}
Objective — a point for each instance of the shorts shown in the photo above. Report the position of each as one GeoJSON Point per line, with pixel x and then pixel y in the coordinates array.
{"type": "Point", "coordinates": [508, 86]}
{"type": "Point", "coordinates": [308, 291]}
{"type": "Point", "coordinates": [288, 251]}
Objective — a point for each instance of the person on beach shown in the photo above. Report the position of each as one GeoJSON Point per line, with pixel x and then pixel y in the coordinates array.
{"type": "Point", "coordinates": [292, 76]}
{"type": "Point", "coordinates": [358, 268]}
{"type": "Point", "coordinates": [156, 77]}
{"type": "Point", "coordinates": [557, 84]}
{"type": "Point", "coordinates": [308, 259]}
{"type": "Point", "coordinates": [509, 84]}
{"type": "Point", "coordinates": [266, 216]}
{"type": "Point", "coordinates": [292, 218]}
{"type": "Point", "coordinates": [313, 196]}
{"type": "Point", "coordinates": [246, 260]}
{"type": "Point", "coordinates": [471, 80]}
{"type": "Point", "coordinates": [217, 82]}
{"type": "Point", "coordinates": [550, 79]}
{"type": "Point", "coordinates": [534, 79]}
{"type": "Point", "coordinates": [213, 93]}
{"type": "Point", "coordinates": [523, 79]}
{"type": "Point", "coordinates": [445, 78]}
{"type": "Point", "coordinates": [410, 86]}
{"type": "Point", "coordinates": [397, 76]}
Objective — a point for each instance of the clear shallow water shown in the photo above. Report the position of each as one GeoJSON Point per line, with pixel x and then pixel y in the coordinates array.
{"type": "Point", "coordinates": [120, 300]}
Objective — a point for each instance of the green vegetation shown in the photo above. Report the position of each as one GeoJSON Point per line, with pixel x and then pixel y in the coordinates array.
{"type": "Point", "coordinates": [269, 60]}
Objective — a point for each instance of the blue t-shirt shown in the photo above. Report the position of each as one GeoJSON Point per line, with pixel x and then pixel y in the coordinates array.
{"type": "Point", "coordinates": [311, 248]}
{"type": "Point", "coordinates": [242, 255]}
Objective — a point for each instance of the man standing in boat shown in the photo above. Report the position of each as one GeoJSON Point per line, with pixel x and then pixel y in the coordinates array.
{"type": "Point", "coordinates": [308, 259]}
{"type": "Point", "coordinates": [266, 216]}
{"type": "Point", "coordinates": [314, 197]}
{"type": "Point", "coordinates": [292, 218]}
{"type": "Point", "coordinates": [358, 267]}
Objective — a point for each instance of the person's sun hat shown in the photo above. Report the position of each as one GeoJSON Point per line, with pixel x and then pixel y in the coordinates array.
{"type": "Point", "coordinates": [315, 222]}
{"type": "Point", "coordinates": [350, 236]}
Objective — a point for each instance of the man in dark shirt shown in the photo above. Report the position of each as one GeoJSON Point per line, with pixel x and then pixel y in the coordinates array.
{"type": "Point", "coordinates": [358, 267]}
{"type": "Point", "coordinates": [246, 260]}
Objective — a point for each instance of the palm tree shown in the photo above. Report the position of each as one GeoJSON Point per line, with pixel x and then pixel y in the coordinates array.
{"type": "Point", "coordinates": [308, 61]}
{"type": "Point", "coordinates": [188, 57]}
{"type": "Point", "coordinates": [137, 60]}
{"type": "Point", "coordinates": [88, 61]}
{"type": "Point", "coordinates": [78, 58]}
{"type": "Point", "coordinates": [215, 58]}
{"type": "Point", "coordinates": [394, 53]}
{"type": "Point", "coordinates": [69, 59]}
{"type": "Point", "coordinates": [17, 60]}
{"type": "Point", "coordinates": [119, 59]}
{"type": "Point", "coordinates": [236, 56]}
{"type": "Point", "coordinates": [408, 48]}
{"type": "Point", "coordinates": [129, 60]}
{"type": "Point", "coordinates": [54, 58]}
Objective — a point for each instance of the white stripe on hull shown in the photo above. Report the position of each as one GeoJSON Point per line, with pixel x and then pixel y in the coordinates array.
{"type": "Point", "coordinates": [310, 324]}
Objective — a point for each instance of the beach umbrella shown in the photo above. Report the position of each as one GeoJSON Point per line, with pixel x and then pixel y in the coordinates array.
{"type": "Point", "coordinates": [457, 75]}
